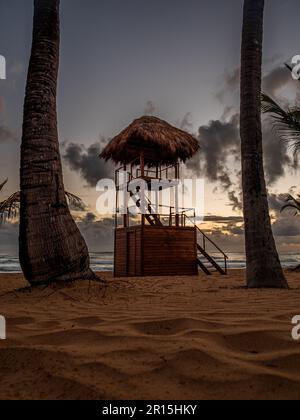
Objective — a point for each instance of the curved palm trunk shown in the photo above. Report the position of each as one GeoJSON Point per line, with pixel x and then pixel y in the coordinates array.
{"type": "Point", "coordinates": [51, 246]}
{"type": "Point", "coordinates": [263, 265]}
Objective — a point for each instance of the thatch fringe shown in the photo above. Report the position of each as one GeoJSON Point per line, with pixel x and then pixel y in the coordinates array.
{"type": "Point", "coordinates": [161, 142]}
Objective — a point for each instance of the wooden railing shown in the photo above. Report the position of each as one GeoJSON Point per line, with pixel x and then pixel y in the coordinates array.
{"type": "Point", "coordinates": [168, 173]}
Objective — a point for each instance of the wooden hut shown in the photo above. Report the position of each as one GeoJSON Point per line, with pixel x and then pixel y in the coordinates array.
{"type": "Point", "coordinates": [160, 242]}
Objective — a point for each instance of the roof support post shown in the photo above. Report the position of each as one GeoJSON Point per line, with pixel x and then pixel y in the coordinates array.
{"type": "Point", "coordinates": [177, 217]}
{"type": "Point", "coordinates": [125, 216]}
{"type": "Point", "coordinates": [142, 163]}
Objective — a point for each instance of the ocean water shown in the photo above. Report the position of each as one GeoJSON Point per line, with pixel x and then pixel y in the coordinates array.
{"type": "Point", "coordinates": [103, 261]}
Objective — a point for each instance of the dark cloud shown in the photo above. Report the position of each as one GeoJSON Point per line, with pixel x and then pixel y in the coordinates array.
{"type": "Point", "coordinates": [9, 238]}
{"type": "Point", "coordinates": [222, 220]}
{"type": "Point", "coordinates": [231, 82]}
{"type": "Point", "coordinates": [286, 224]}
{"type": "Point", "coordinates": [186, 123]}
{"type": "Point", "coordinates": [220, 144]}
{"type": "Point", "coordinates": [219, 157]}
{"type": "Point", "coordinates": [85, 161]}
{"type": "Point", "coordinates": [150, 108]}
{"type": "Point", "coordinates": [274, 59]}
{"type": "Point", "coordinates": [235, 200]}
{"type": "Point", "coordinates": [230, 239]}
{"type": "Point", "coordinates": [2, 105]}
{"type": "Point", "coordinates": [229, 232]}
{"type": "Point", "coordinates": [225, 180]}
{"type": "Point", "coordinates": [89, 218]}
{"type": "Point", "coordinates": [272, 82]}
{"type": "Point", "coordinates": [276, 157]}
{"type": "Point", "coordinates": [236, 230]}
{"type": "Point", "coordinates": [99, 234]}
{"type": "Point", "coordinates": [219, 140]}
{"type": "Point", "coordinates": [6, 134]}
{"type": "Point", "coordinates": [287, 227]}
{"type": "Point", "coordinates": [276, 202]}
{"type": "Point", "coordinates": [275, 80]}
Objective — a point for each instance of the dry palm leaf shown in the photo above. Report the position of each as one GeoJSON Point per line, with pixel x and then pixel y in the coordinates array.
{"type": "Point", "coordinates": [286, 121]}
{"type": "Point", "coordinates": [2, 185]}
{"type": "Point", "coordinates": [9, 209]}
{"type": "Point", "coordinates": [292, 204]}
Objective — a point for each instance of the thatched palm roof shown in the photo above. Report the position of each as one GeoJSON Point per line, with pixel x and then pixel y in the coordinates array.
{"type": "Point", "coordinates": [161, 143]}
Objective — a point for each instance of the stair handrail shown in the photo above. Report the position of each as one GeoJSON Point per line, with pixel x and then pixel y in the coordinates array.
{"type": "Point", "coordinates": [208, 238]}
{"type": "Point", "coordinates": [226, 258]}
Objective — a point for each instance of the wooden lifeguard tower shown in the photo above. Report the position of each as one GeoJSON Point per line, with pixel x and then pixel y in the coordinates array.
{"type": "Point", "coordinates": [157, 242]}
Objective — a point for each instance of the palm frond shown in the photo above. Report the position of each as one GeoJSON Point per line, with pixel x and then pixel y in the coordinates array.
{"type": "Point", "coordinates": [269, 106]}
{"type": "Point", "coordinates": [2, 185]}
{"type": "Point", "coordinates": [290, 69]}
{"type": "Point", "coordinates": [292, 203]}
{"type": "Point", "coordinates": [9, 209]}
{"type": "Point", "coordinates": [287, 122]}
{"type": "Point", "coordinates": [74, 202]}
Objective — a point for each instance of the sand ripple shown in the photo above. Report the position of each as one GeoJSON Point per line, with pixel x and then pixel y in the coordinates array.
{"type": "Point", "coordinates": [179, 338]}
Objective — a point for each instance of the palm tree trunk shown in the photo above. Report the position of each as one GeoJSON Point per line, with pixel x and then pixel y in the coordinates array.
{"type": "Point", "coordinates": [263, 265]}
{"type": "Point", "coordinates": [51, 246]}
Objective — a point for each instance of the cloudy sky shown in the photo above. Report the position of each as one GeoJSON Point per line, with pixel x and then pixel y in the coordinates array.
{"type": "Point", "coordinates": [177, 59]}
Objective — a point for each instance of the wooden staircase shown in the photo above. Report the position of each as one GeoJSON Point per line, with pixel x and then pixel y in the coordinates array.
{"type": "Point", "coordinates": [204, 260]}
{"type": "Point", "coordinates": [207, 264]}
{"type": "Point", "coordinates": [152, 219]}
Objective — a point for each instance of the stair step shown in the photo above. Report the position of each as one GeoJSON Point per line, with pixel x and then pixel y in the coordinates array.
{"type": "Point", "coordinates": [203, 268]}
{"type": "Point", "coordinates": [210, 260]}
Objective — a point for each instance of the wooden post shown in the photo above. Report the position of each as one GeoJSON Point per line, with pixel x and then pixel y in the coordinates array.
{"type": "Point", "coordinates": [117, 198]}
{"type": "Point", "coordinates": [177, 171]}
{"type": "Point", "coordinates": [131, 172]}
{"type": "Point", "coordinates": [142, 162]}
{"type": "Point", "coordinates": [125, 216]}
{"type": "Point", "coordinates": [177, 217]}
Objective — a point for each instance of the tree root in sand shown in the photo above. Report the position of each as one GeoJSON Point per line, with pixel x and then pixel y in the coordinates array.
{"type": "Point", "coordinates": [97, 287]}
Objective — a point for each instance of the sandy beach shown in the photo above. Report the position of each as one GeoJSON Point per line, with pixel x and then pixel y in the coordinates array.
{"type": "Point", "coordinates": [151, 338]}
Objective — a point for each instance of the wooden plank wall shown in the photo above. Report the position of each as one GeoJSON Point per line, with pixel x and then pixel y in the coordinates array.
{"type": "Point", "coordinates": [155, 251]}
{"type": "Point", "coordinates": [121, 253]}
{"type": "Point", "coordinates": [170, 251]}
{"type": "Point", "coordinates": [128, 252]}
